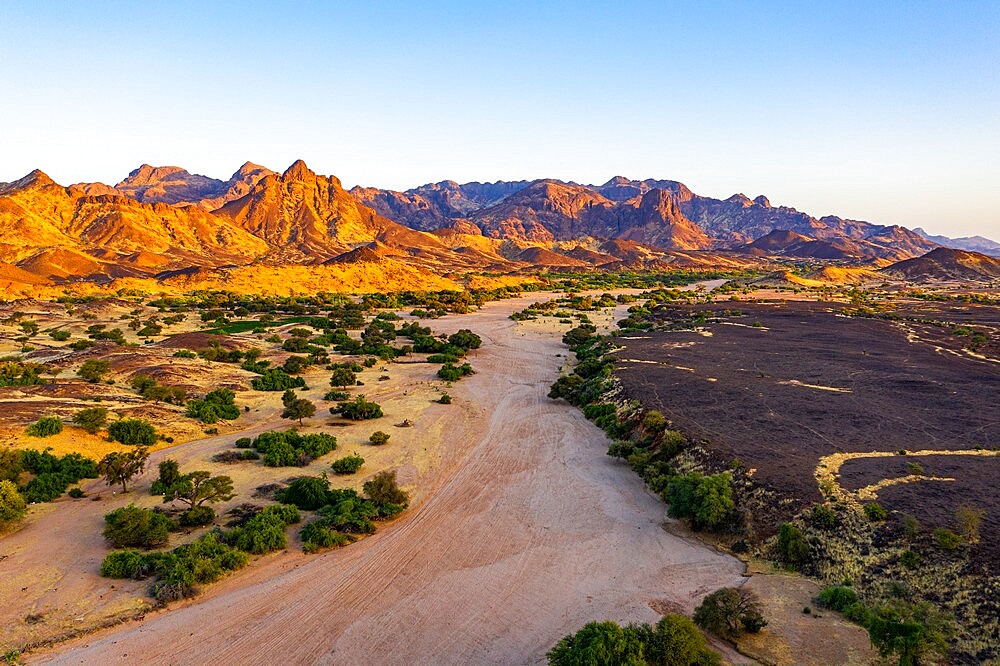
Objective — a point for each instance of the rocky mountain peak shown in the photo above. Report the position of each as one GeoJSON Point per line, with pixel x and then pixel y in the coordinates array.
{"type": "Point", "coordinates": [298, 171]}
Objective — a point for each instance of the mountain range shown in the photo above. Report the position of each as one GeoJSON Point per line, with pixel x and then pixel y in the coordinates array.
{"type": "Point", "coordinates": [166, 223]}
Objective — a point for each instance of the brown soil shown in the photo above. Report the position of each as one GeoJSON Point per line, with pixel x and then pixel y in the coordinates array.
{"type": "Point", "coordinates": [523, 531]}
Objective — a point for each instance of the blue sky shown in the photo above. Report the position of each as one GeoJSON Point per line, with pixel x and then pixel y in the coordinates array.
{"type": "Point", "coordinates": [884, 111]}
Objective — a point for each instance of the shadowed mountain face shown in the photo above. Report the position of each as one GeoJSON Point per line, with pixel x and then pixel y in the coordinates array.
{"type": "Point", "coordinates": [948, 265]}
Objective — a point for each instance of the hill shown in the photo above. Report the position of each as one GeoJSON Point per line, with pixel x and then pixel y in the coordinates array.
{"type": "Point", "coordinates": [945, 264]}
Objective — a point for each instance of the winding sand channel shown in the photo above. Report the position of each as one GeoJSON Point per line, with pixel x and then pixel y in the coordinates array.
{"type": "Point", "coordinates": [530, 531]}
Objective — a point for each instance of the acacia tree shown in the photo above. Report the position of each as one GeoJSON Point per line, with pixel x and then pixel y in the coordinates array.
{"type": "Point", "coordinates": [196, 488]}
{"type": "Point", "coordinates": [122, 466]}
{"type": "Point", "coordinates": [730, 611]}
{"type": "Point", "coordinates": [300, 408]}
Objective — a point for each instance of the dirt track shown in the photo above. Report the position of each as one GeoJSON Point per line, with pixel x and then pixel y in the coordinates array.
{"type": "Point", "coordinates": [530, 532]}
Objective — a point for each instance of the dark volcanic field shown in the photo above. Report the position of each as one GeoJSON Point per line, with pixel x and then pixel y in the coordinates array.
{"type": "Point", "coordinates": [742, 389]}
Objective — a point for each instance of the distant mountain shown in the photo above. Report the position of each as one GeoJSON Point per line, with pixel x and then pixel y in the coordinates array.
{"type": "Point", "coordinates": [782, 242]}
{"type": "Point", "coordinates": [946, 264]}
{"type": "Point", "coordinates": [174, 185]}
{"type": "Point", "coordinates": [968, 243]}
{"type": "Point", "coordinates": [664, 213]}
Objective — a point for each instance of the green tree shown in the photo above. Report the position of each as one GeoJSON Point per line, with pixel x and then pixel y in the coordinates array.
{"type": "Point", "coordinates": [134, 432]}
{"type": "Point", "coordinates": [911, 631]}
{"type": "Point", "coordinates": [120, 467]}
{"type": "Point", "coordinates": [598, 644]}
{"type": "Point", "coordinates": [12, 505]}
{"type": "Point", "coordinates": [299, 409]}
{"type": "Point", "coordinates": [170, 473]}
{"type": "Point", "coordinates": [91, 419]}
{"type": "Point", "coordinates": [343, 377]}
{"type": "Point", "coordinates": [197, 488]}
{"type": "Point", "coordinates": [675, 641]}
{"type": "Point", "coordinates": [358, 409]}
{"type": "Point", "coordinates": [728, 612]}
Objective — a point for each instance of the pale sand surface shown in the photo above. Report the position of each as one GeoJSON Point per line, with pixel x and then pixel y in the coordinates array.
{"type": "Point", "coordinates": [524, 531]}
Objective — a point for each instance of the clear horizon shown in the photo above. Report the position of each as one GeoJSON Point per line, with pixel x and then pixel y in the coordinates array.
{"type": "Point", "coordinates": [881, 113]}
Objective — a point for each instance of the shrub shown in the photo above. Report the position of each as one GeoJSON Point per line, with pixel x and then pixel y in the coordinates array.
{"type": "Point", "coordinates": [134, 432]}
{"type": "Point", "coordinates": [730, 611]}
{"type": "Point", "coordinates": [598, 644]}
{"type": "Point", "coordinates": [706, 500]}
{"type": "Point", "coordinates": [12, 504]}
{"type": "Point", "coordinates": [317, 535]}
{"type": "Point", "coordinates": [358, 409]}
{"type": "Point", "coordinates": [307, 493]}
{"type": "Point", "coordinates": [452, 373]}
{"type": "Point", "coordinates": [445, 399]}
{"type": "Point", "coordinates": [336, 395]}
{"type": "Point", "coordinates": [823, 517]}
{"type": "Point", "coordinates": [379, 438]}
{"type": "Point", "coordinates": [792, 544]}
{"type": "Point", "coordinates": [284, 449]}
{"type": "Point", "coordinates": [125, 564]}
{"type": "Point", "coordinates": [217, 404]}
{"type": "Point", "coordinates": [465, 339]}
{"type": "Point", "coordinates": [275, 379]}
{"type": "Point", "coordinates": [837, 597]}
{"type": "Point", "coordinates": [946, 539]}
{"type": "Point", "coordinates": [197, 516]}
{"type": "Point", "coordinates": [135, 527]}
{"type": "Point", "coordinates": [263, 533]}
{"type": "Point", "coordinates": [348, 464]}
{"type": "Point", "coordinates": [61, 335]}
{"type": "Point", "coordinates": [675, 641]}
{"type": "Point", "coordinates": [383, 490]}
{"type": "Point", "coordinates": [45, 427]}
{"type": "Point", "coordinates": [91, 419]}
{"type": "Point", "coordinates": [76, 493]}
{"type": "Point", "coordinates": [875, 512]}
{"type": "Point", "coordinates": [967, 522]}
{"type": "Point", "coordinates": [93, 370]}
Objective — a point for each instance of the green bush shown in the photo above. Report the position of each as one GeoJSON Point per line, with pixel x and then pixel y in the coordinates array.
{"type": "Point", "coordinates": [45, 427]}
{"type": "Point", "coordinates": [91, 419]}
{"type": "Point", "coordinates": [131, 526]}
{"type": "Point", "coordinates": [379, 438]}
{"type": "Point", "coordinates": [358, 409]}
{"type": "Point", "coordinates": [61, 335]}
{"type": "Point", "coordinates": [792, 544]}
{"type": "Point", "coordinates": [317, 536]}
{"type": "Point", "coordinates": [307, 493]}
{"type": "Point", "coordinates": [197, 516]}
{"type": "Point", "coordinates": [452, 373]}
{"type": "Point", "coordinates": [12, 504]}
{"type": "Point", "coordinates": [675, 641]}
{"type": "Point", "coordinates": [125, 564]}
{"type": "Point", "coordinates": [706, 500]}
{"type": "Point", "coordinates": [946, 539]}
{"type": "Point", "coordinates": [384, 491]}
{"type": "Point", "coordinates": [217, 404]}
{"type": "Point", "coordinates": [275, 379]}
{"type": "Point", "coordinates": [875, 512]}
{"type": "Point", "coordinates": [288, 448]}
{"type": "Point", "coordinates": [598, 644]}
{"type": "Point", "coordinates": [133, 432]}
{"type": "Point", "coordinates": [823, 517]}
{"type": "Point", "coordinates": [93, 370]}
{"type": "Point", "coordinates": [837, 597]}
{"type": "Point", "coordinates": [348, 464]}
